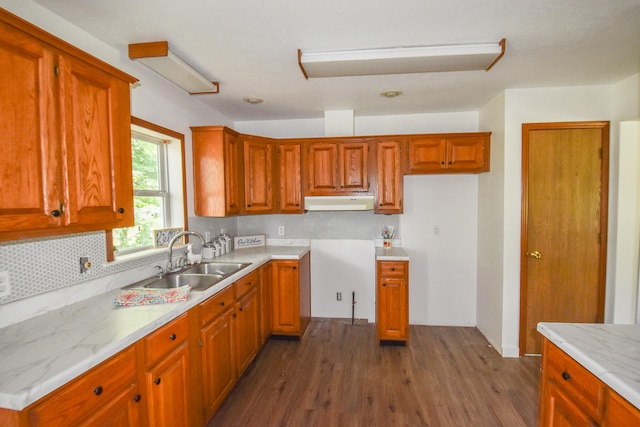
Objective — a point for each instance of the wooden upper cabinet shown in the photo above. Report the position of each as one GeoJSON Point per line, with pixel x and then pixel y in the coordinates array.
{"type": "Point", "coordinates": [66, 117]}
{"type": "Point", "coordinates": [389, 176]}
{"type": "Point", "coordinates": [96, 135]}
{"type": "Point", "coordinates": [258, 175]}
{"type": "Point", "coordinates": [450, 153]}
{"type": "Point", "coordinates": [217, 171]}
{"type": "Point", "coordinates": [336, 167]}
{"type": "Point", "coordinates": [290, 178]}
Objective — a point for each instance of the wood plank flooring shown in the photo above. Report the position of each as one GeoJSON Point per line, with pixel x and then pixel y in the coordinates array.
{"type": "Point", "coordinates": [338, 375]}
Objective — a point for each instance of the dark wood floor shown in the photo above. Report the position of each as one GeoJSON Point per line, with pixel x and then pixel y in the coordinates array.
{"type": "Point", "coordinates": [338, 375]}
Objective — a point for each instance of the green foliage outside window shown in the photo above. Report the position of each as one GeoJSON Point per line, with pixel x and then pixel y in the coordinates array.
{"type": "Point", "coordinates": [148, 209]}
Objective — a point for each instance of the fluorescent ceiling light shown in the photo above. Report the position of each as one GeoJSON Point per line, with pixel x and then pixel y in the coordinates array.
{"type": "Point", "coordinates": [401, 60]}
{"type": "Point", "coordinates": [156, 55]}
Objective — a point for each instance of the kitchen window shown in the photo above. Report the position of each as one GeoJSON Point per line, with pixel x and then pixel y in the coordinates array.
{"type": "Point", "coordinates": [158, 184]}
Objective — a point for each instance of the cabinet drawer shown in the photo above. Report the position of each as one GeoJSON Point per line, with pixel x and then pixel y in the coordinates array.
{"type": "Point", "coordinates": [245, 284]}
{"type": "Point", "coordinates": [82, 397]}
{"type": "Point", "coordinates": [166, 339]}
{"type": "Point", "coordinates": [215, 305]}
{"type": "Point", "coordinates": [578, 383]}
{"type": "Point", "coordinates": [392, 268]}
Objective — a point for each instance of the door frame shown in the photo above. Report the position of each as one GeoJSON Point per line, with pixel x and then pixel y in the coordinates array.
{"type": "Point", "coordinates": [604, 209]}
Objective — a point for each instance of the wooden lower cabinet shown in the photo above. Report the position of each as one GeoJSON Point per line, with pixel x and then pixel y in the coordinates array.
{"type": "Point", "coordinates": [247, 329]}
{"type": "Point", "coordinates": [107, 395]}
{"type": "Point", "coordinates": [570, 395]}
{"type": "Point", "coordinates": [217, 342]}
{"type": "Point", "coordinates": [291, 296]}
{"type": "Point", "coordinates": [392, 300]}
{"type": "Point", "coordinates": [167, 386]}
{"type": "Point", "coordinates": [167, 378]}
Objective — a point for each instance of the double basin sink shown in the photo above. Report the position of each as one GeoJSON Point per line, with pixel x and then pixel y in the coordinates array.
{"type": "Point", "coordinates": [200, 277]}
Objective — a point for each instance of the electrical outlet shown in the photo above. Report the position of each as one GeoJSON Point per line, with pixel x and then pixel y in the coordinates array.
{"type": "Point", "coordinates": [338, 296]}
{"type": "Point", "coordinates": [5, 284]}
{"type": "Point", "coordinates": [281, 230]}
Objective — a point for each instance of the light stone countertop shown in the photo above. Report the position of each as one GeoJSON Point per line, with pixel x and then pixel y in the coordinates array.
{"type": "Point", "coordinates": [391, 254]}
{"type": "Point", "coordinates": [610, 352]}
{"type": "Point", "coordinates": [43, 353]}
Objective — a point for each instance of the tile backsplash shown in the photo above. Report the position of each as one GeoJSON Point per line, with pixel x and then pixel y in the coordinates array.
{"type": "Point", "coordinates": [42, 265]}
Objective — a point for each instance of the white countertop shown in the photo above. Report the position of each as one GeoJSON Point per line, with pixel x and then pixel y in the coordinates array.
{"type": "Point", "coordinates": [391, 254]}
{"type": "Point", "coordinates": [43, 353]}
{"type": "Point", "coordinates": [610, 352]}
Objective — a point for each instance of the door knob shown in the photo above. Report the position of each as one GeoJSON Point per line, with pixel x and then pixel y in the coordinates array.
{"type": "Point", "coordinates": [535, 254]}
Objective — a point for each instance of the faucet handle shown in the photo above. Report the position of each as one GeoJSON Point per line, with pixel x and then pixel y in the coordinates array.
{"type": "Point", "coordinates": [159, 270]}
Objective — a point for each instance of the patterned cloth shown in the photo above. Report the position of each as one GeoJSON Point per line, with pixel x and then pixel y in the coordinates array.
{"type": "Point", "coordinates": [131, 297]}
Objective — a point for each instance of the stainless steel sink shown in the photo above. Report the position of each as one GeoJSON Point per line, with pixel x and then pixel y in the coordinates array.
{"type": "Point", "coordinates": [220, 268]}
{"type": "Point", "coordinates": [197, 282]}
{"type": "Point", "coordinates": [200, 277]}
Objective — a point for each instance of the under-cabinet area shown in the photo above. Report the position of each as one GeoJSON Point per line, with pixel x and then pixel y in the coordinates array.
{"type": "Point", "coordinates": [167, 364]}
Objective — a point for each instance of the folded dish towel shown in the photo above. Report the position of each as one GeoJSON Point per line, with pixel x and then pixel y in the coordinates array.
{"type": "Point", "coordinates": [131, 297]}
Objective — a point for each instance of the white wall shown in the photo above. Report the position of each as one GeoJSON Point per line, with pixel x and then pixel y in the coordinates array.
{"type": "Point", "coordinates": [490, 228]}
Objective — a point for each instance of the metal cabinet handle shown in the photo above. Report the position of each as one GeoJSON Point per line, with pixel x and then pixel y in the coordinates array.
{"type": "Point", "coordinates": [98, 390]}
{"type": "Point", "coordinates": [157, 381]}
{"type": "Point", "coordinates": [172, 337]}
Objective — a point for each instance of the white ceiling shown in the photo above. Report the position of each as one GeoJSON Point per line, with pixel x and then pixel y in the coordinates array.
{"type": "Point", "coordinates": [250, 47]}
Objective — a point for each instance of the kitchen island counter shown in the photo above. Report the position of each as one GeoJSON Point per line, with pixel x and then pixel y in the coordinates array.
{"type": "Point", "coordinates": [45, 352]}
{"type": "Point", "coordinates": [610, 352]}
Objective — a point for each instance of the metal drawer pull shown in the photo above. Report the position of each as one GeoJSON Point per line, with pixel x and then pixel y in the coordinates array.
{"type": "Point", "coordinates": [98, 390]}
{"type": "Point", "coordinates": [157, 381]}
{"type": "Point", "coordinates": [172, 337]}
{"type": "Point", "coordinates": [566, 376]}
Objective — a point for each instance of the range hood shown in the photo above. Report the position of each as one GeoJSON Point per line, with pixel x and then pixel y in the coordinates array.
{"type": "Point", "coordinates": [338, 203]}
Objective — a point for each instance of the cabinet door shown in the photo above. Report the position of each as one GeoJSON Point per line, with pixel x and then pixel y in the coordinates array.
{"type": "Point", "coordinates": [427, 154]}
{"type": "Point", "coordinates": [321, 164]}
{"type": "Point", "coordinates": [218, 363]}
{"type": "Point", "coordinates": [466, 153]}
{"type": "Point", "coordinates": [94, 112]}
{"type": "Point", "coordinates": [286, 298]}
{"type": "Point", "coordinates": [217, 167]}
{"type": "Point", "coordinates": [289, 172]}
{"type": "Point", "coordinates": [266, 301]}
{"type": "Point", "coordinates": [167, 385]}
{"type": "Point", "coordinates": [560, 411]}
{"type": "Point", "coordinates": [31, 177]}
{"type": "Point", "coordinates": [620, 412]}
{"type": "Point", "coordinates": [392, 310]}
{"type": "Point", "coordinates": [389, 173]}
{"type": "Point", "coordinates": [232, 173]}
{"type": "Point", "coordinates": [247, 329]}
{"type": "Point", "coordinates": [353, 166]}
{"type": "Point", "coordinates": [258, 173]}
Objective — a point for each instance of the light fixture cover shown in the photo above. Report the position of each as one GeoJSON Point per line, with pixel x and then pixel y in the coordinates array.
{"type": "Point", "coordinates": [401, 60]}
{"type": "Point", "coordinates": [156, 55]}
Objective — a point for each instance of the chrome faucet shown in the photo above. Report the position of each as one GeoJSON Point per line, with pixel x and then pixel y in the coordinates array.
{"type": "Point", "coordinates": [173, 240]}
